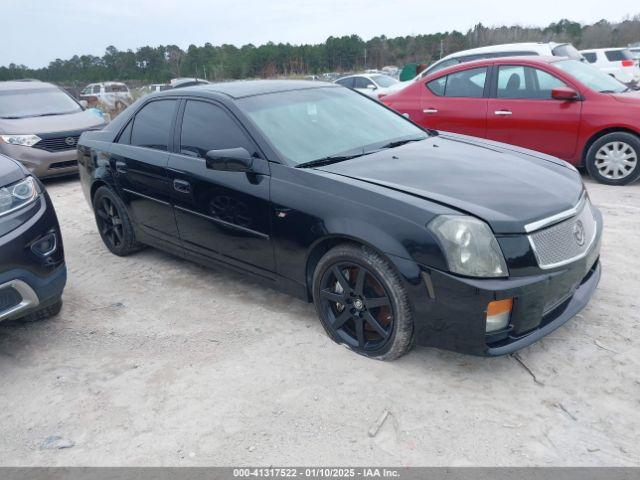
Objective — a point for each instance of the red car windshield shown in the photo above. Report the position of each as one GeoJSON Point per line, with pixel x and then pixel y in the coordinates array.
{"type": "Point", "coordinates": [591, 77]}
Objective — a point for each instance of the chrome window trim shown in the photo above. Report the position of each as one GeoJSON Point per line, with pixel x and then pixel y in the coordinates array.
{"type": "Point", "coordinates": [557, 218]}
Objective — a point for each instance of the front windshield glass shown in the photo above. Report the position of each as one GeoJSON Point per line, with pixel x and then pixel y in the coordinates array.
{"type": "Point", "coordinates": [384, 80]}
{"type": "Point", "coordinates": [591, 77]}
{"type": "Point", "coordinates": [315, 123]}
{"type": "Point", "coordinates": [35, 102]}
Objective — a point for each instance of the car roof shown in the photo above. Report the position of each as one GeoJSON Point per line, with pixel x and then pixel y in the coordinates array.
{"type": "Point", "coordinates": [603, 49]}
{"type": "Point", "coordinates": [365, 75]}
{"type": "Point", "coordinates": [537, 46]}
{"type": "Point", "coordinates": [21, 85]}
{"type": "Point", "coordinates": [524, 60]}
{"type": "Point", "coordinates": [249, 88]}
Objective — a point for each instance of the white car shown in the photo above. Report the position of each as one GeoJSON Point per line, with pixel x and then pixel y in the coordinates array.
{"type": "Point", "coordinates": [550, 49]}
{"type": "Point", "coordinates": [156, 87]}
{"type": "Point", "coordinates": [617, 62]}
{"type": "Point", "coordinates": [115, 95]}
{"type": "Point", "coordinates": [187, 82]}
{"type": "Point", "coordinates": [373, 85]}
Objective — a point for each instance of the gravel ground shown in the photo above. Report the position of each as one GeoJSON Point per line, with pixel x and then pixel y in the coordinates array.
{"type": "Point", "coordinates": [157, 361]}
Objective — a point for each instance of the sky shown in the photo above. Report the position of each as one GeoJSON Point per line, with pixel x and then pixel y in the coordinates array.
{"type": "Point", "coordinates": [36, 32]}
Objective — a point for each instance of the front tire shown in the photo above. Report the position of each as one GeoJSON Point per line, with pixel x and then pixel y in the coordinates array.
{"type": "Point", "coordinates": [113, 223]}
{"type": "Point", "coordinates": [614, 159]}
{"type": "Point", "coordinates": [362, 303]}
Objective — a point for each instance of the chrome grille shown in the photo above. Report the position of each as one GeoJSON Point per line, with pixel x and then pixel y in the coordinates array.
{"type": "Point", "coordinates": [566, 241]}
{"type": "Point", "coordinates": [58, 144]}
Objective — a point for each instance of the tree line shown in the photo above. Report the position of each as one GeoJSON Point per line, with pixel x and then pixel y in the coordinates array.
{"type": "Point", "coordinates": [337, 54]}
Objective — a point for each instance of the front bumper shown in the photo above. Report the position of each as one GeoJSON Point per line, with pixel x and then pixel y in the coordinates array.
{"type": "Point", "coordinates": [43, 163]}
{"type": "Point", "coordinates": [450, 311]}
{"type": "Point", "coordinates": [30, 277]}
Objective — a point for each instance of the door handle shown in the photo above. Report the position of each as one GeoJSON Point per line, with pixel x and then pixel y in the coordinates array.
{"type": "Point", "coordinates": [503, 113]}
{"type": "Point", "coordinates": [121, 167]}
{"type": "Point", "coordinates": [430, 110]}
{"type": "Point", "coordinates": [182, 186]}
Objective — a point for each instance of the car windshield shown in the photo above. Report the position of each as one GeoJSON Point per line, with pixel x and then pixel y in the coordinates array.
{"type": "Point", "coordinates": [36, 102]}
{"type": "Point", "coordinates": [313, 124]}
{"type": "Point", "coordinates": [384, 80]}
{"type": "Point", "coordinates": [591, 77]}
{"type": "Point", "coordinates": [567, 50]}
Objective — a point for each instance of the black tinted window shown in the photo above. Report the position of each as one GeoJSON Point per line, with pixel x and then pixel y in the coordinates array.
{"type": "Point", "coordinates": [346, 82]}
{"type": "Point", "coordinates": [362, 82]}
{"type": "Point", "coordinates": [467, 83]}
{"type": "Point", "coordinates": [125, 136]}
{"type": "Point", "coordinates": [591, 57]}
{"type": "Point", "coordinates": [208, 127]}
{"type": "Point", "coordinates": [618, 55]}
{"type": "Point", "coordinates": [152, 125]}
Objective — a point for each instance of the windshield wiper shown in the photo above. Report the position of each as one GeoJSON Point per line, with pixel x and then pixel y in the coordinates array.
{"type": "Point", "coordinates": [399, 143]}
{"type": "Point", "coordinates": [615, 91]}
{"type": "Point", "coordinates": [327, 160]}
{"type": "Point", "coordinates": [52, 114]}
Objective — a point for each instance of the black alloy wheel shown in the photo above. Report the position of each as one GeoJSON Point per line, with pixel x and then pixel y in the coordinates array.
{"type": "Point", "coordinates": [113, 222]}
{"type": "Point", "coordinates": [109, 223]}
{"type": "Point", "coordinates": [361, 302]}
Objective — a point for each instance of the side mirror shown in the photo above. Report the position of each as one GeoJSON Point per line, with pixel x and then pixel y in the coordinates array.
{"type": "Point", "coordinates": [230, 160]}
{"type": "Point", "coordinates": [84, 104]}
{"type": "Point", "coordinates": [564, 93]}
{"type": "Point", "coordinates": [371, 86]}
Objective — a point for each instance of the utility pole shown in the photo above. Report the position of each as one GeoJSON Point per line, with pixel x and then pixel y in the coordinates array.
{"type": "Point", "coordinates": [365, 58]}
{"type": "Point", "coordinates": [441, 47]}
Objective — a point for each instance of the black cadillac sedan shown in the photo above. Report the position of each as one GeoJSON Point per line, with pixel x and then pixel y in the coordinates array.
{"type": "Point", "coordinates": [397, 234]}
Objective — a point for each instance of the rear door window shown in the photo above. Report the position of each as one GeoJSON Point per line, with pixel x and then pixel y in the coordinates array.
{"type": "Point", "coordinates": [467, 83]}
{"type": "Point", "coordinates": [437, 86]}
{"type": "Point", "coordinates": [152, 125]}
{"type": "Point", "coordinates": [591, 57]}
{"type": "Point", "coordinates": [206, 126]}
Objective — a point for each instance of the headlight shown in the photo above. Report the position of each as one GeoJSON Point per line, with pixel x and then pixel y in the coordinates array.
{"type": "Point", "coordinates": [17, 195]}
{"type": "Point", "coordinates": [469, 246]}
{"type": "Point", "coordinates": [24, 140]}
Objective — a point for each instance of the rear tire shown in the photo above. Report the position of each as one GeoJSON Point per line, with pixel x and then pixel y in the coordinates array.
{"type": "Point", "coordinates": [362, 303]}
{"type": "Point", "coordinates": [614, 159]}
{"type": "Point", "coordinates": [113, 223]}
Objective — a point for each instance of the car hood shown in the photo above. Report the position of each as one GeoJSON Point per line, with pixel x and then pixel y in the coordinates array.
{"type": "Point", "coordinates": [506, 186]}
{"type": "Point", "coordinates": [10, 171]}
{"type": "Point", "coordinates": [629, 97]}
{"type": "Point", "coordinates": [84, 120]}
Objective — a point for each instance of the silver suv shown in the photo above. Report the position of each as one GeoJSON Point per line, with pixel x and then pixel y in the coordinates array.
{"type": "Point", "coordinates": [40, 125]}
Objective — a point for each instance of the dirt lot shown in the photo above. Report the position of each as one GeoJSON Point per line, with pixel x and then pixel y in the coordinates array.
{"type": "Point", "coordinates": [157, 361]}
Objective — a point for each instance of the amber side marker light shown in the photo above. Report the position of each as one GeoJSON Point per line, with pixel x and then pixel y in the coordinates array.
{"type": "Point", "coordinates": [498, 314]}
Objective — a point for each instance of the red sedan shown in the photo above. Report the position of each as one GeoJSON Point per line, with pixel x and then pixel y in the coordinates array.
{"type": "Point", "coordinates": [561, 107]}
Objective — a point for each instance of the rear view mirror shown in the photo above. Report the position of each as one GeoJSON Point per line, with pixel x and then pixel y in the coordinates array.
{"type": "Point", "coordinates": [564, 93]}
{"type": "Point", "coordinates": [84, 104]}
{"type": "Point", "coordinates": [230, 160]}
